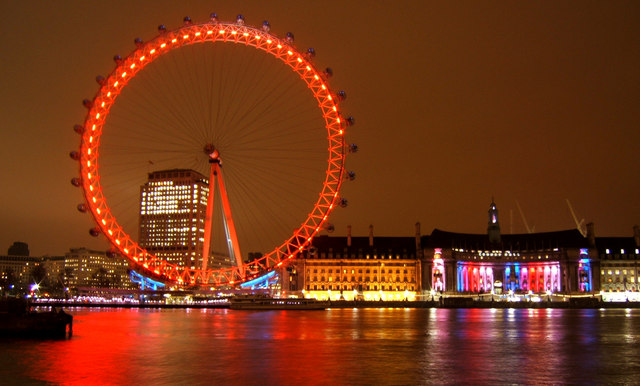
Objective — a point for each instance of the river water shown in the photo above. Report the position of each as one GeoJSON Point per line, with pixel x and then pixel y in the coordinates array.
{"type": "Point", "coordinates": [333, 347]}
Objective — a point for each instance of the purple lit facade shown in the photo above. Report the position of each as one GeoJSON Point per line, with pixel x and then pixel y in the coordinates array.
{"type": "Point", "coordinates": [543, 263]}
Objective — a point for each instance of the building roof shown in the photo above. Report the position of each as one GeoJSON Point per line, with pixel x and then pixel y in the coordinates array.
{"type": "Point", "coordinates": [524, 242]}
{"type": "Point", "coordinates": [616, 244]}
{"type": "Point", "coordinates": [175, 173]}
{"type": "Point", "coordinates": [325, 242]}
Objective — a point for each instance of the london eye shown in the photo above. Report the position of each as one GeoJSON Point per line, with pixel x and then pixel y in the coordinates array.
{"type": "Point", "coordinates": [237, 105]}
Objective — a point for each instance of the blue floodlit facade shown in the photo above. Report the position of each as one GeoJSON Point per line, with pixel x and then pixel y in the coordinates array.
{"type": "Point", "coordinates": [543, 263]}
{"type": "Point", "coordinates": [262, 282]}
{"type": "Point", "coordinates": [145, 282]}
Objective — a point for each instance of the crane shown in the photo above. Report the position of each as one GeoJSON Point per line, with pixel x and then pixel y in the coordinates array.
{"type": "Point", "coordinates": [579, 224]}
{"type": "Point", "coordinates": [524, 220]}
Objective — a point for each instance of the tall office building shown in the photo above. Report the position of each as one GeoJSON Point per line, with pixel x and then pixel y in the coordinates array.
{"type": "Point", "coordinates": [173, 207]}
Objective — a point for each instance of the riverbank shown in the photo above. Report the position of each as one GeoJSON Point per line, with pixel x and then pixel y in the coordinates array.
{"type": "Point", "coordinates": [443, 303]}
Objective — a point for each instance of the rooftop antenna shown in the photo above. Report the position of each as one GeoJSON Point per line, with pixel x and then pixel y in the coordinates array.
{"type": "Point", "coordinates": [524, 220]}
{"type": "Point", "coordinates": [579, 224]}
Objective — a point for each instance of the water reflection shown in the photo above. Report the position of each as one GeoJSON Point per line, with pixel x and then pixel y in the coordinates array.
{"type": "Point", "coordinates": [337, 346]}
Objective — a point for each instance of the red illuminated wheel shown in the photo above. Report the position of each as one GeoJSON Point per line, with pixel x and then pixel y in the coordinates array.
{"type": "Point", "coordinates": [226, 85]}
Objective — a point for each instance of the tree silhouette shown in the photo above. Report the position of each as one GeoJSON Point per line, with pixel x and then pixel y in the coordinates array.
{"type": "Point", "coordinates": [39, 274]}
{"type": "Point", "coordinates": [8, 281]}
{"type": "Point", "coordinates": [101, 277]}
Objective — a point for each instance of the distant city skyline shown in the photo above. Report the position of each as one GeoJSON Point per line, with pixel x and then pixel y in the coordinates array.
{"type": "Point", "coordinates": [455, 103]}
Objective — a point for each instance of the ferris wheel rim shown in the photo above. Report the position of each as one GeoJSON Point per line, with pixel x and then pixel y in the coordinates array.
{"type": "Point", "coordinates": [126, 69]}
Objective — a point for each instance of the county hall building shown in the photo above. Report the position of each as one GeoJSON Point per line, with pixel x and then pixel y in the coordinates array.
{"type": "Point", "coordinates": [398, 268]}
{"type": "Point", "coordinates": [549, 262]}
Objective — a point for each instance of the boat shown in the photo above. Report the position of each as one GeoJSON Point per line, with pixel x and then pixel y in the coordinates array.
{"type": "Point", "coordinates": [269, 303]}
{"type": "Point", "coordinates": [17, 320]}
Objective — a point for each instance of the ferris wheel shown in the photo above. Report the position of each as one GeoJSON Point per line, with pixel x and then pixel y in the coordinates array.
{"type": "Point", "coordinates": [191, 98]}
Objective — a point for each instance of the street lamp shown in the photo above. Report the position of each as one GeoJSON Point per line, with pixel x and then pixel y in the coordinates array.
{"type": "Point", "coordinates": [34, 288]}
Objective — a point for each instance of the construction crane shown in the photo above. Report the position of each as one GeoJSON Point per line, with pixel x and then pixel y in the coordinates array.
{"type": "Point", "coordinates": [524, 220]}
{"type": "Point", "coordinates": [579, 224]}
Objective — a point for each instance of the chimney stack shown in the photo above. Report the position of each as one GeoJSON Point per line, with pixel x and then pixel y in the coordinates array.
{"type": "Point", "coordinates": [348, 235]}
{"type": "Point", "coordinates": [371, 235]}
{"type": "Point", "coordinates": [418, 236]}
{"type": "Point", "coordinates": [591, 234]}
{"type": "Point", "coordinates": [636, 235]}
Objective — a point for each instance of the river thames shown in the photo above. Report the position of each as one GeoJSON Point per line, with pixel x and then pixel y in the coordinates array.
{"type": "Point", "coordinates": [333, 347]}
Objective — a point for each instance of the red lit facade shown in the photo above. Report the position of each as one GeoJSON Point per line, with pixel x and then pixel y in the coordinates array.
{"type": "Point", "coordinates": [549, 262]}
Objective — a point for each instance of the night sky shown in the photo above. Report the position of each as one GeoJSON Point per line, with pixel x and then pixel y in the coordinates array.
{"type": "Point", "coordinates": [455, 103]}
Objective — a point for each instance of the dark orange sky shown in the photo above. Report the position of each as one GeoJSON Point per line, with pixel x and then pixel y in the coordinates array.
{"type": "Point", "coordinates": [455, 102]}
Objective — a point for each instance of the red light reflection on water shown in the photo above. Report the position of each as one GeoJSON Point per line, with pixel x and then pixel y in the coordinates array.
{"type": "Point", "coordinates": [93, 355]}
{"type": "Point", "coordinates": [341, 346]}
